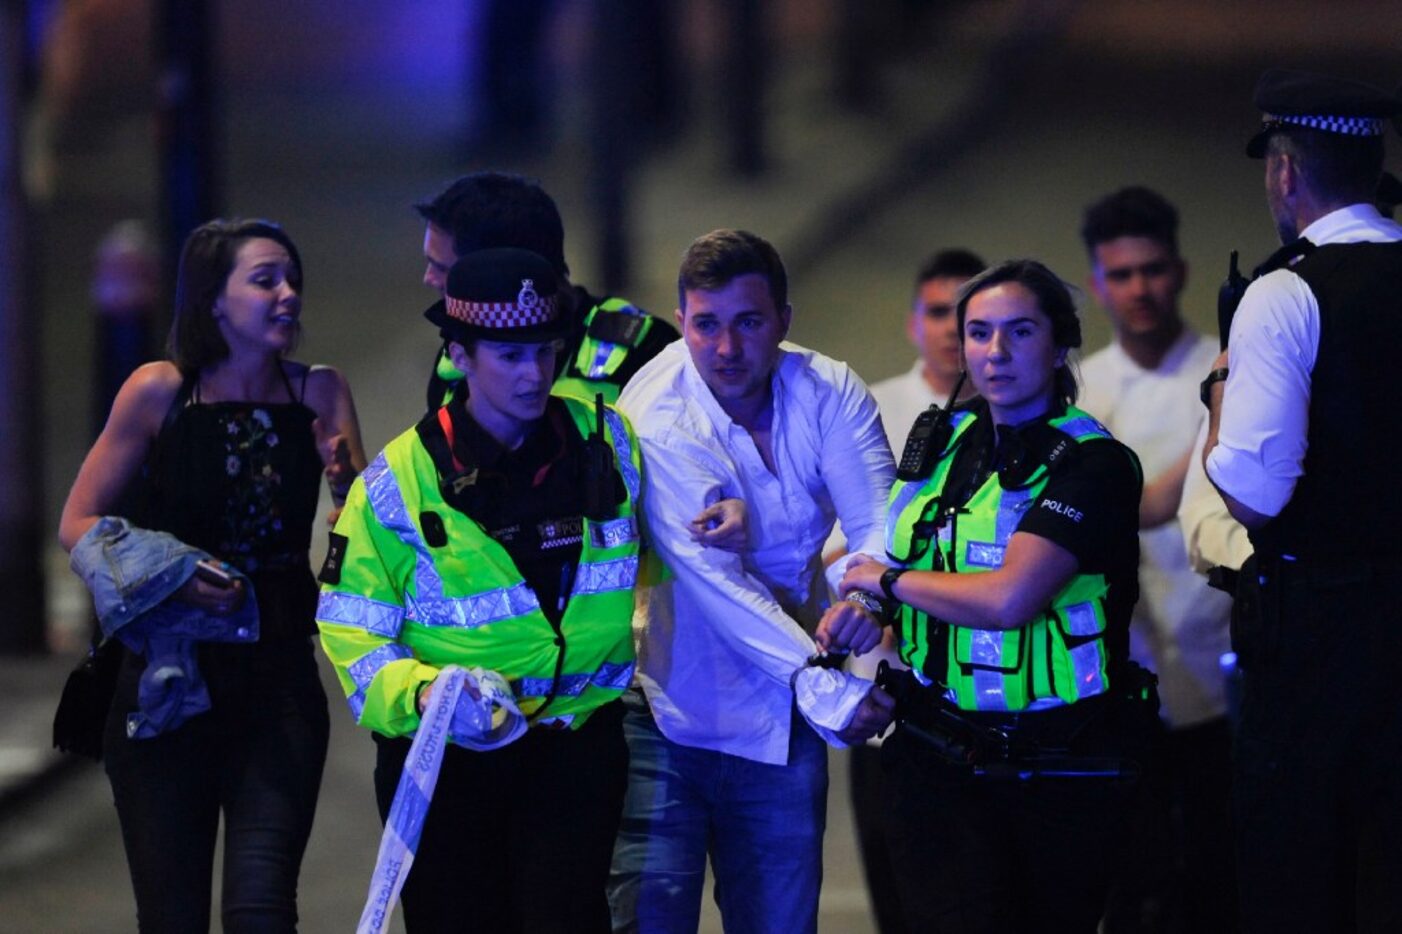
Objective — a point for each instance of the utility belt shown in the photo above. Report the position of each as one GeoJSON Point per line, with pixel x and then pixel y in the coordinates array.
{"type": "Point", "coordinates": [1026, 744]}
{"type": "Point", "coordinates": [1270, 585]}
{"type": "Point", "coordinates": [1318, 571]}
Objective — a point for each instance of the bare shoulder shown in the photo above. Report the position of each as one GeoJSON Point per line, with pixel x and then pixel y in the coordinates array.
{"type": "Point", "coordinates": [326, 387]}
{"type": "Point", "coordinates": [147, 394]}
{"type": "Point", "coordinates": [160, 377]}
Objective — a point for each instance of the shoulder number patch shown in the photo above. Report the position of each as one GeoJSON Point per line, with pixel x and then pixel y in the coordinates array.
{"type": "Point", "coordinates": [335, 556]}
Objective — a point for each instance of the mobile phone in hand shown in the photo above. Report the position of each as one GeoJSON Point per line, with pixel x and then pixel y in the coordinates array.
{"type": "Point", "coordinates": [212, 573]}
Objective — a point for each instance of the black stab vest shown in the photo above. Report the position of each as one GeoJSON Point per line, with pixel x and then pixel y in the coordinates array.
{"type": "Point", "coordinates": [1345, 507]}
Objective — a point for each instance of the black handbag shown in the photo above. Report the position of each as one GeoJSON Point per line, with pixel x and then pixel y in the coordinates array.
{"type": "Point", "coordinates": [87, 697]}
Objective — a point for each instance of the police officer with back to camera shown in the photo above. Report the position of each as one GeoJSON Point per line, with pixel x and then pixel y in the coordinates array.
{"type": "Point", "coordinates": [1301, 446]}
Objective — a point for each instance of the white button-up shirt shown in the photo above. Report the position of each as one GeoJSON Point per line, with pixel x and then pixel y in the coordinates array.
{"type": "Point", "coordinates": [719, 641]}
{"type": "Point", "coordinates": [1264, 427]}
{"type": "Point", "coordinates": [1180, 623]}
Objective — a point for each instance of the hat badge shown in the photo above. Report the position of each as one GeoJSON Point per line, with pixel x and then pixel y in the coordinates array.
{"type": "Point", "coordinates": [527, 298]}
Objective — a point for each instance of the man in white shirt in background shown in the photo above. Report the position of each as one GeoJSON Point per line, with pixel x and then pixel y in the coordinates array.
{"type": "Point", "coordinates": [1214, 539]}
{"type": "Point", "coordinates": [1144, 387]}
{"type": "Point", "coordinates": [727, 748]}
{"type": "Point", "coordinates": [933, 330]}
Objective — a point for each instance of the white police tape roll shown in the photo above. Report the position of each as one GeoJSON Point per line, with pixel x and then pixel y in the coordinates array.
{"type": "Point", "coordinates": [491, 722]}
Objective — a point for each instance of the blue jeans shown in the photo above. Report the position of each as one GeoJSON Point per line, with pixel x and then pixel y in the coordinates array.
{"type": "Point", "coordinates": [762, 825]}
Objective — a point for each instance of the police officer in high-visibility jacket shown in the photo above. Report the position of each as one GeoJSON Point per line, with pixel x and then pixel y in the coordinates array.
{"type": "Point", "coordinates": [1020, 724]}
{"type": "Point", "coordinates": [498, 534]}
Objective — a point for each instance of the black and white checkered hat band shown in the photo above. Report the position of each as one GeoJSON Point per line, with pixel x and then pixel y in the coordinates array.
{"type": "Point", "coordinates": [1347, 126]}
{"type": "Point", "coordinates": [501, 314]}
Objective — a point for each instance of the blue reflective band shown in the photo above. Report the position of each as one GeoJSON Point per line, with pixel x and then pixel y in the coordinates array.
{"type": "Point", "coordinates": [476, 610]}
{"type": "Point", "coordinates": [610, 676]}
{"type": "Point", "coordinates": [387, 503]}
{"type": "Point", "coordinates": [348, 609]}
{"type": "Point", "coordinates": [363, 670]}
{"type": "Point", "coordinates": [623, 448]}
{"type": "Point", "coordinates": [603, 576]}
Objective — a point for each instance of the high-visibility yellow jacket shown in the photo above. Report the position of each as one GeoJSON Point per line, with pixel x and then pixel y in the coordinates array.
{"type": "Point", "coordinates": [1060, 656]}
{"type": "Point", "coordinates": [399, 608]}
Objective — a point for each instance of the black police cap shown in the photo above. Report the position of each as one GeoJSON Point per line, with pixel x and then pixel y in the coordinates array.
{"type": "Point", "coordinates": [503, 295]}
{"type": "Point", "coordinates": [1319, 102]}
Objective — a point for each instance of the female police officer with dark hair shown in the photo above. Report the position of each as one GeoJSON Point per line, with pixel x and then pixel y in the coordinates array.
{"type": "Point", "coordinates": [1015, 516]}
{"type": "Point", "coordinates": [498, 535]}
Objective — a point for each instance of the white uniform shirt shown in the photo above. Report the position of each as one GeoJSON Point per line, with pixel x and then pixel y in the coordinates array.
{"type": "Point", "coordinates": [1264, 428]}
{"type": "Point", "coordinates": [1213, 537]}
{"type": "Point", "coordinates": [1180, 624]}
{"type": "Point", "coordinates": [719, 642]}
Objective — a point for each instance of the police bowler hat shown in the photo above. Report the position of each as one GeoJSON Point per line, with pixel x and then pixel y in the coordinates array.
{"type": "Point", "coordinates": [1319, 102]}
{"type": "Point", "coordinates": [503, 295]}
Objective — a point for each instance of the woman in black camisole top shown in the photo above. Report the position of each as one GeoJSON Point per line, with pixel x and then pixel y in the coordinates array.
{"type": "Point", "coordinates": [225, 445]}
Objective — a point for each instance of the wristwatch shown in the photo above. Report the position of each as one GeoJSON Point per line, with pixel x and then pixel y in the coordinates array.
{"type": "Point", "coordinates": [867, 602]}
{"type": "Point", "coordinates": [888, 582]}
{"type": "Point", "coordinates": [1205, 389]}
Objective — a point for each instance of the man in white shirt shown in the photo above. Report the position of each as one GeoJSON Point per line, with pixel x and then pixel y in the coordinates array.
{"type": "Point", "coordinates": [1143, 386]}
{"type": "Point", "coordinates": [727, 749]}
{"type": "Point", "coordinates": [1214, 539]}
{"type": "Point", "coordinates": [933, 331]}
{"type": "Point", "coordinates": [1301, 444]}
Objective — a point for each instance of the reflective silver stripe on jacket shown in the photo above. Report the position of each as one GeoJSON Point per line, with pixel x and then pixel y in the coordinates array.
{"type": "Point", "coordinates": [348, 609]}
{"type": "Point", "coordinates": [610, 676]}
{"type": "Point", "coordinates": [598, 368]}
{"type": "Point", "coordinates": [1011, 506]}
{"type": "Point", "coordinates": [363, 670]}
{"type": "Point", "coordinates": [986, 648]}
{"type": "Point", "coordinates": [603, 576]}
{"type": "Point", "coordinates": [623, 448]}
{"type": "Point", "coordinates": [476, 610]}
{"type": "Point", "coordinates": [1085, 659]}
{"type": "Point", "coordinates": [897, 508]}
{"type": "Point", "coordinates": [386, 501]}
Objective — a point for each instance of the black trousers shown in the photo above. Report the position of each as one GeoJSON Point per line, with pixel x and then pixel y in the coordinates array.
{"type": "Point", "coordinates": [1182, 879]}
{"type": "Point", "coordinates": [518, 839]}
{"type": "Point", "coordinates": [1318, 784]}
{"type": "Point", "coordinates": [256, 758]}
{"type": "Point", "coordinates": [868, 785]}
{"type": "Point", "coordinates": [994, 855]}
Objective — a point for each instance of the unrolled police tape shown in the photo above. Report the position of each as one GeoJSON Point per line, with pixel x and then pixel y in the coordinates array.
{"type": "Point", "coordinates": [444, 721]}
